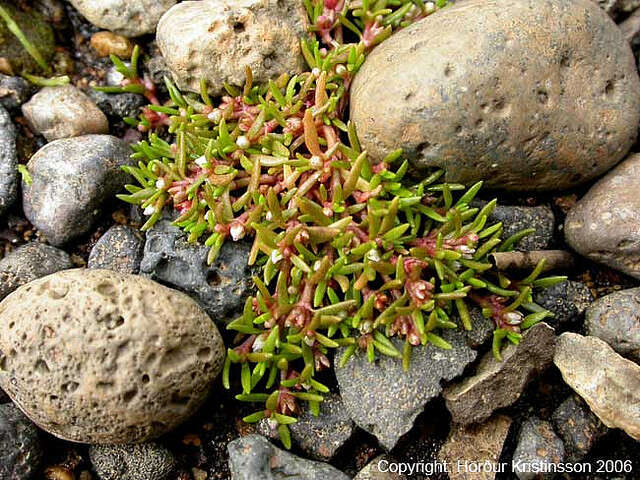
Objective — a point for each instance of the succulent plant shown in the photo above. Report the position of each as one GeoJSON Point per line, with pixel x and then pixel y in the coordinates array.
{"type": "Point", "coordinates": [351, 253]}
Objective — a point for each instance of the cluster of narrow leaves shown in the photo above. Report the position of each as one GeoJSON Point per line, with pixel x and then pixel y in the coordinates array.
{"type": "Point", "coordinates": [352, 254]}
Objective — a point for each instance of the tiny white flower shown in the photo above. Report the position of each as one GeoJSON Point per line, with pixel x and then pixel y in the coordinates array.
{"type": "Point", "coordinates": [513, 318]}
{"type": "Point", "coordinates": [150, 210]}
{"type": "Point", "coordinates": [316, 265]}
{"type": "Point", "coordinates": [207, 215]}
{"type": "Point", "coordinates": [237, 231]}
{"type": "Point", "coordinates": [292, 290]}
{"type": "Point", "coordinates": [316, 72]}
{"type": "Point", "coordinates": [466, 251]}
{"type": "Point", "coordinates": [430, 7]}
{"type": "Point", "coordinates": [269, 216]}
{"type": "Point", "coordinates": [273, 423]}
{"type": "Point", "coordinates": [257, 344]}
{"type": "Point", "coordinates": [341, 69]}
{"type": "Point", "coordinates": [276, 256]}
{"type": "Point", "coordinates": [243, 142]}
{"type": "Point", "coordinates": [373, 255]}
{"type": "Point", "coordinates": [215, 116]}
{"type": "Point", "coordinates": [201, 161]}
{"type": "Point", "coordinates": [309, 340]}
{"type": "Point", "coordinates": [316, 161]}
{"type": "Point", "coordinates": [160, 183]}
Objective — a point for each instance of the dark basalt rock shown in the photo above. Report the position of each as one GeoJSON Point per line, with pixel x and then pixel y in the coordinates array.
{"type": "Point", "coordinates": [254, 458]}
{"type": "Point", "coordinates": [29, 262]}
{"type": "Point", "coordinates": [8, 162]}
{"type": "Point", "coordinates": [221, 288]}
{"type": "Point", "coordinates": [20, 448]}
{"type": "Point", "coordinates": [119, 249]}
{"type": "Point", "coordinates": [149, 461]}
{"type": "Point", "coordinates": [384, 400]}
{"type": "Point", "coordinates": [578, 427]}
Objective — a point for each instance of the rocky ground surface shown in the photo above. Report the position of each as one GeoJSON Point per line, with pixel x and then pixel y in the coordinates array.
{"type": "Point", "coordinates": [569, 392]}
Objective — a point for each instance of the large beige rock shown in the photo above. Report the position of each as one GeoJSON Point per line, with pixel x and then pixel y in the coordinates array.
{"type": "Point", "coordinates": [609, 383]}
{"type": "Point", "coordinates": [604, 225]}
{"type": "Point", "coordinates": [525, 94]}
{"type": "Point", "coordinates": [217, 39]}
{"type": "Point", "coordinates": [101, 357]}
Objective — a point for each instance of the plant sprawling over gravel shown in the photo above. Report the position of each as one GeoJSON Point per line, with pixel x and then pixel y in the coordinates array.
{"type": "Point", "coordinates": [351, 253]}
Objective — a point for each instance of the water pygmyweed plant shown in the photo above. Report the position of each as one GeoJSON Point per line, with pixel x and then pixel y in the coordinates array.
{"type": "Point", "coordinates": [351, 254]}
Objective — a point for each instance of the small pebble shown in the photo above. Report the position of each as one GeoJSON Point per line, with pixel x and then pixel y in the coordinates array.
{"type": "Point", "coordinates": [109, 43]}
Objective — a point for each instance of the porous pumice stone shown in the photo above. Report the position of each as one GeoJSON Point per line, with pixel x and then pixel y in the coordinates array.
{"type": "Point", "coordinates": [525, 94]}
{"type": "Point", "coordinates": [97, 356]}
{"type": "Point", "coordinates": [216, 40]}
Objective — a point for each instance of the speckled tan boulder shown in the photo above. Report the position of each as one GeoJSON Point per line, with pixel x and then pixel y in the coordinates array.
{"type": "Point", "coordinates": [97, 356]}
{"type": "Point", "coordinates": [525, 94]}
{"type": "Point", "coordinates": [217, 39]}
{"type": "Point", "coordinates": [605, 224]}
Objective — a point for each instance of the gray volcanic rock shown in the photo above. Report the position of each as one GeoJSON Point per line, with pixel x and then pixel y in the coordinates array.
{"type": "Point", "coordinates": [29, 262]}
{"type": "Point", "coordinates": [14, 91]}
{"type": "Point", "coordinates": [96, 356]}
{"type": "Point", "coordinates": [8, 162]}
{"type": "Point", "coordinates": [537, 444]}
{"type": "Point", "coordinates": [578, 427]}
{"type": "Point", "coordinates": [254, 458]}
{"type": "Point", "coordinates": [567, 300]}
{"type": "Point", "coordinates": [118, 105]}
{"type": "Point", "coordinates": [72, 179]}
{"type": "Point", "coordinates": [515, 218]}
{"type": "Point", "coordinates": [20, 448]}
{"type": "Point", "coordinates": [498, 384]}
{"type": "Point", "coordinates": [475, 444]}
{"type": "Point", "coordinates": [149, 461]}
{"type": "Point", "coordinates": [221, 288]}
{"type": "Point", "coordinates": [384, 400]}
{"type": "Point", "coordinates": [609, 383]}
{"type": "Point", "coordinates": [217, 39]}
{"type": "Point", "coordinates": [64, 111]}
{"type": "Point", "coordinates": [604, 225]}
{"type": "Point", "coordinates": [616, 320]}
{"type": "Point", "coordinates": [497, 96]}
{"type": "Point", "coordinates": [130, 18]}
{"type": "Point", "coordinates": [318, 437]}
{"type": "Point", "coordinates": [119, 249]}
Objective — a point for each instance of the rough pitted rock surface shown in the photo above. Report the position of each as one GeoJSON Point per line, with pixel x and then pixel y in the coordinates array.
{"type": "Point", "coordinates": [72, 179]}
{"type": "Point", "coordinates": [567, 300]}
{"type": "Point", "coordinates": [14, 91]}
{"type": "Point", "coordinates": [604, 225]}
{"type": "Point", "coordinates": [37, 30]}
{"type": "Point", "coordinates": [537, 444]}
{"type": "Point", "coordinates": [29, 262]}
{"type": "Point", "coordinates": [384, 400]}
{"type": "Point", "coordinates": [149, 461]}
{"type": "Point", "coordinates": [475, 444]}
{"type": "Point", "coordinates": [498, 384]}
{"type": "Point", "coordinates": [371, 471]}
{"type": "Point", "coordinates": [96, 356]}
{"type": "Point", "coordinates": [318, 437]}
{"type": "Point", "coordinates": [217, 39]}
{"type": "Point", "coordinates": [254, 458]}
{"type": "Point", "coordinates": [496, 98]}
{"type": "Point", "coordinates": [119, 249]}
{"type": "Point", "coordinates": [578, 427]}
{"type": "Point", "coordinates": [221, 288]}
{"type": "Point", "coordinates": [8, 162]}
{"type": "Point", "coordinates": [616, 320]}
{"type": "Point", "coordinates": [515, 218]}
{"type": "Point", "coordinates": [609, 383]}
{"type": "Point", "coordinates": [20, 448]}
{"type": "Point", "coordinates": [64, 111]}
{"type": "Point", "coordinates": [130, 18]}
{"type": "Point", "coordinates": [118, 105]}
